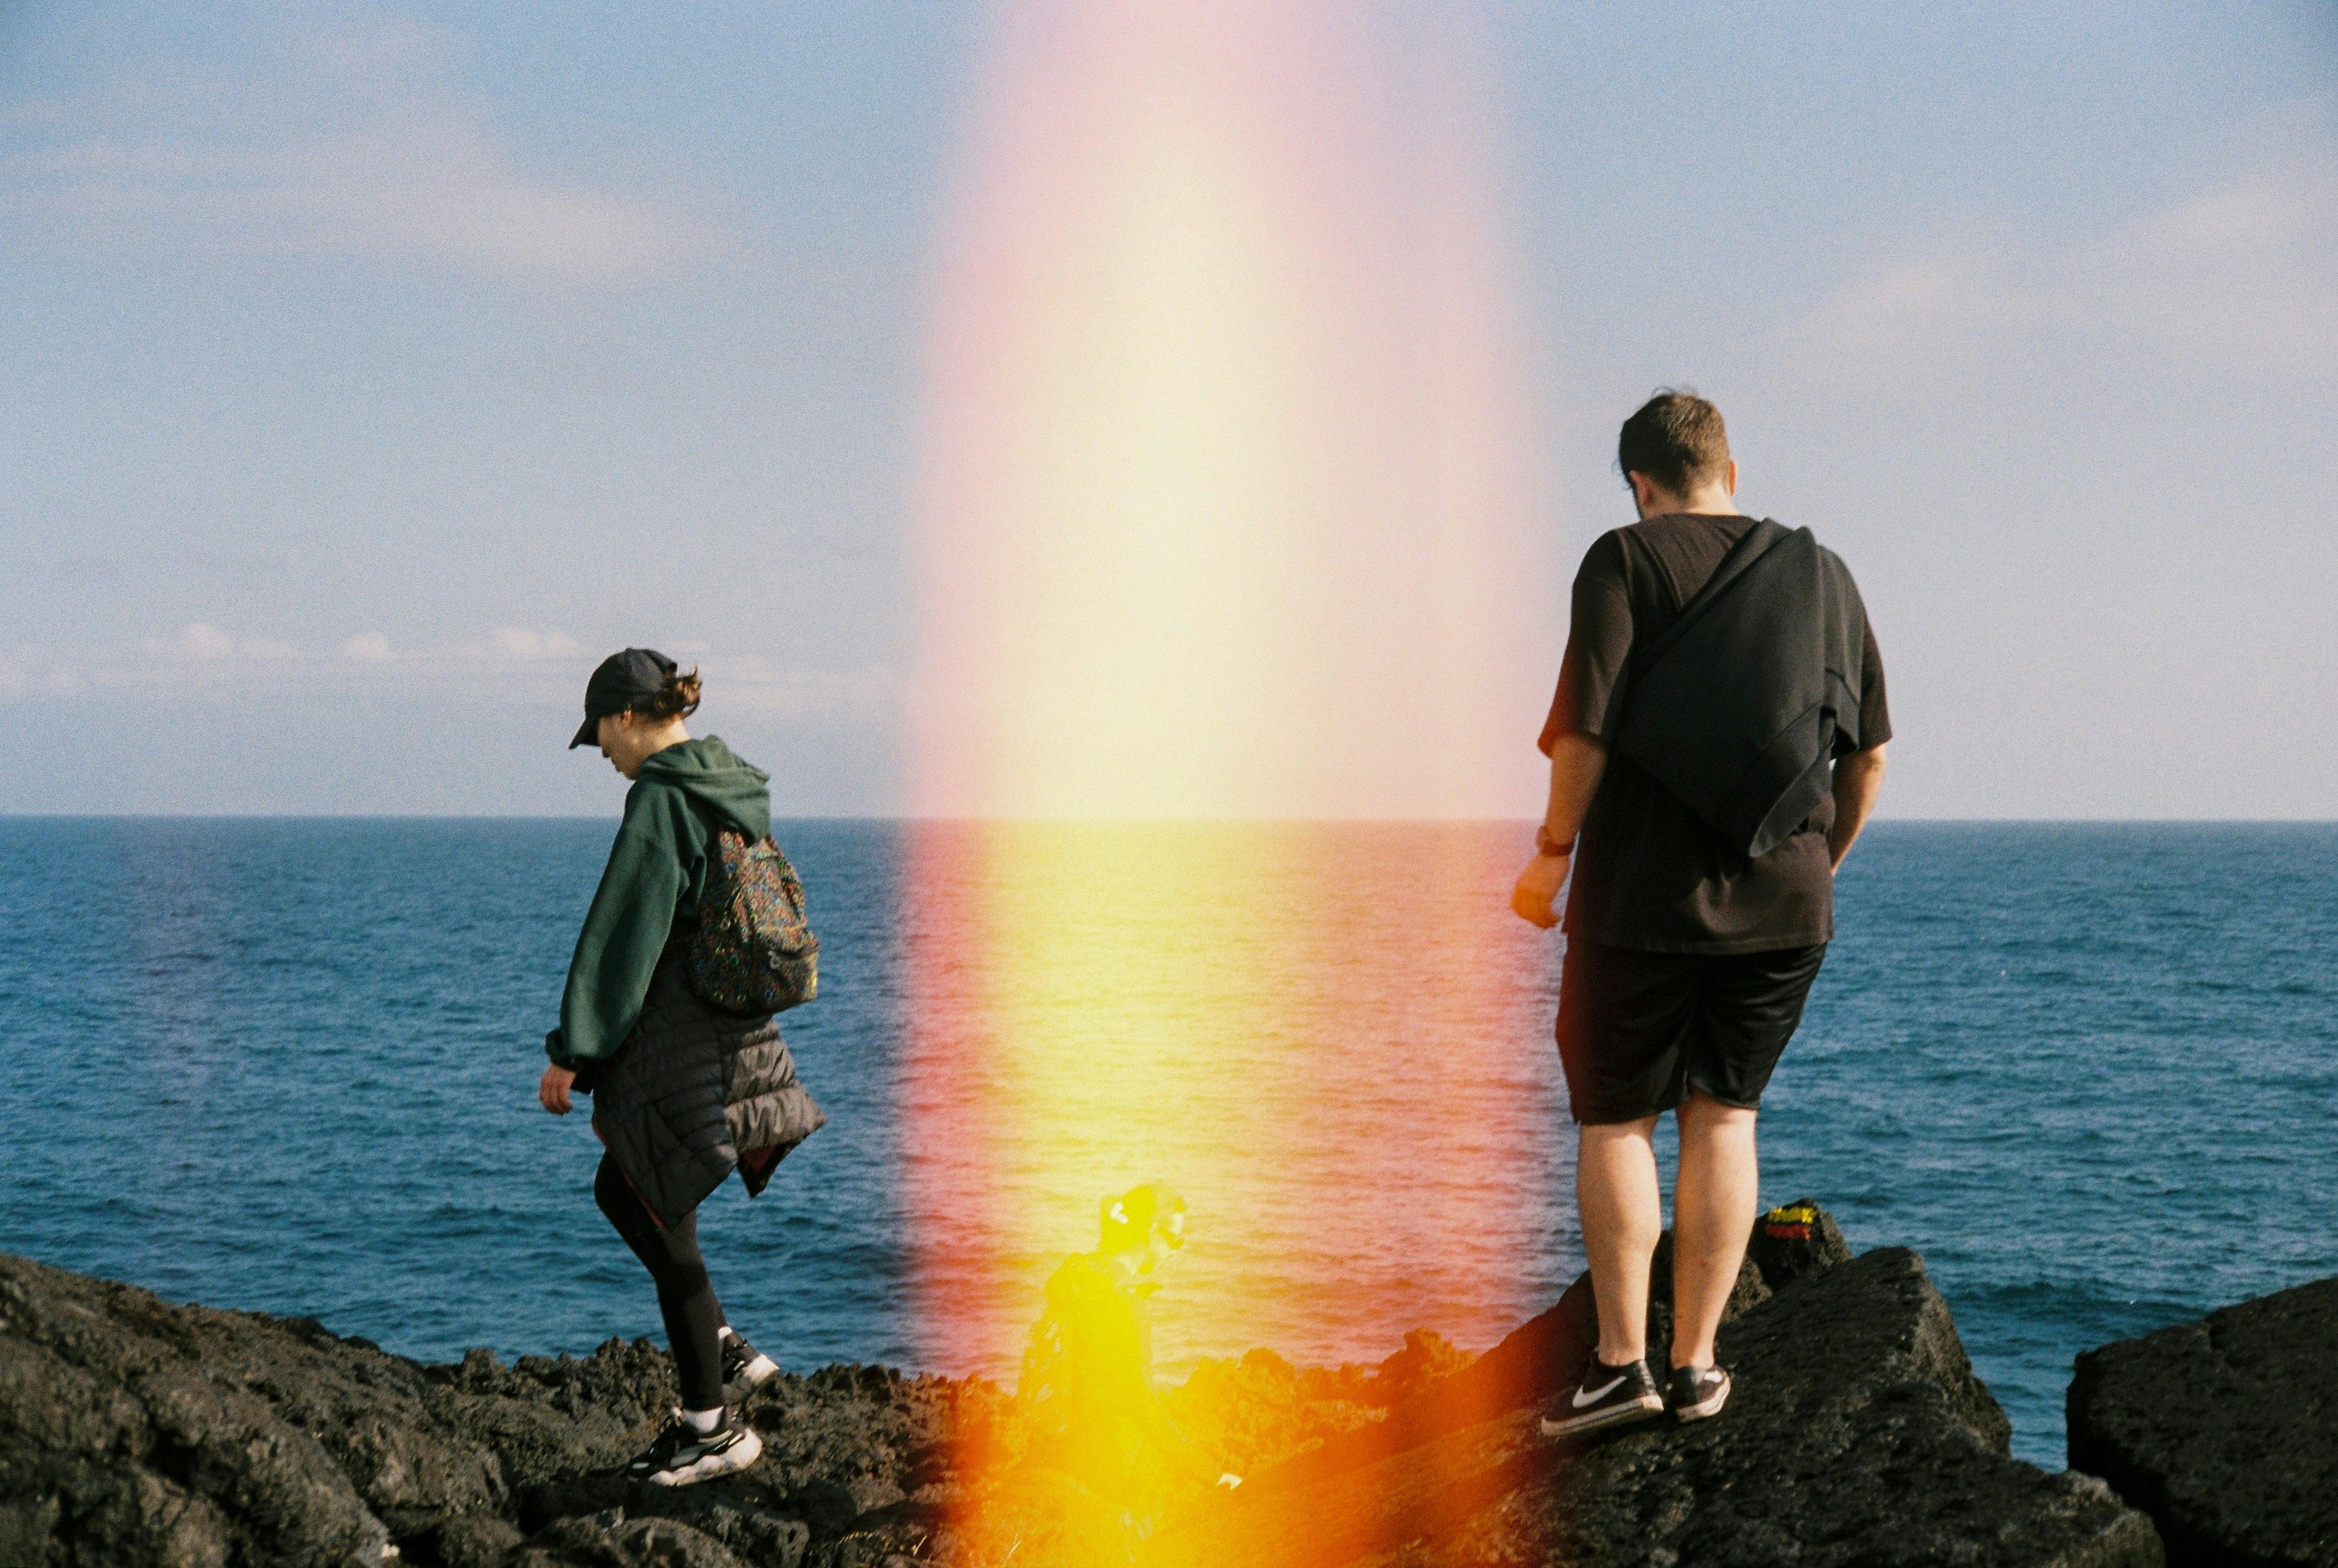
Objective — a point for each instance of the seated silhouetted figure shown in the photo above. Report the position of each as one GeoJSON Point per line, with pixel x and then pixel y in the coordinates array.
{"type": "Point", "coordinates": [1094, 1415]}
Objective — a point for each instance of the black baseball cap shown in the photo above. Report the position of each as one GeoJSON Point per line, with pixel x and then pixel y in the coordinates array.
{"type": "Point", "coordinates": [625, 681]}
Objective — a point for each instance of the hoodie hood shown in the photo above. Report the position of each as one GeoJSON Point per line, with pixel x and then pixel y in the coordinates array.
{"type": "Point", "coordinates": [709, 771]}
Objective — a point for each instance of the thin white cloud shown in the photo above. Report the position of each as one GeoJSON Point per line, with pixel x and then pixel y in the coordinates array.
{"type": "Point", "coordinates": [2244, 274]}
{"type": "Point", "coordinates": [515, 644]}
{"type": "Point", "coordinates": [203, 655]}
{"type": "Point", "coordinates": [2248, 272]}
{"type": "Point", "coordinates": [365, 152]}
{"type": "Point", "coordinates": [204, 641]}
{"type": "Point", "coordinates": [763, 690]}
{"type": "Point", "coordinates": [196, 655]}
{"type": "Point", "coordinates": [1919, 309]}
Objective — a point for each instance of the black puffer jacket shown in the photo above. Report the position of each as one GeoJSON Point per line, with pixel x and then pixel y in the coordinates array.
{"type": "Point", "coordinates": [695, 1092]}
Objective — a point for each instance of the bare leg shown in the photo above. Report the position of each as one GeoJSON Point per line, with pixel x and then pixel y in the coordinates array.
{"type": "Point", "coordinates": [1713, 1204]}
{"type": "Point", "coordinates": [1622, 1214]}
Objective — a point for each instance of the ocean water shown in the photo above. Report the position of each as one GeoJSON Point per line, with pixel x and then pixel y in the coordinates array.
{"type": "Point", "coordinates": [2087, 1070]}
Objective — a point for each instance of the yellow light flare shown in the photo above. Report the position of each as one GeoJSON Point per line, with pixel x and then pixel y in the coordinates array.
{"type": "Point", "coordinates": [1228, 513]}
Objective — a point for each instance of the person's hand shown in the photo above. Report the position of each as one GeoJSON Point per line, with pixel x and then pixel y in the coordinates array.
{"type": "Point", "coordinates": [1537, 888]}
{"type": "Point", "coordinates": [554, 1088]}
{"type": "Point", "coordinates": [1228, 1480]}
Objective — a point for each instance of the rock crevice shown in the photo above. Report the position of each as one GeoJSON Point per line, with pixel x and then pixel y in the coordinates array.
{"type": "Point", "coordinates": [2224, 1431]}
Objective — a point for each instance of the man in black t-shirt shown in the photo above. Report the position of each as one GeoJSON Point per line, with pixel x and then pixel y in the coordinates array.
{"type": "Point", "coordinates": [1690, 946]}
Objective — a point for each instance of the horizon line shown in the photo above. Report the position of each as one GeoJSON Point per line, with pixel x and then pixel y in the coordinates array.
{"type": "Point", "coordinates": [1099, 821]}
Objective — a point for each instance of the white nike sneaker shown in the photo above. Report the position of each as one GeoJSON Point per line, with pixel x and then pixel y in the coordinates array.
{"type": "Point", "coordinates": [1610, 1397]}
{"type": "Point", "coordinates": [744, 1369]}
{"type": "Point", "coordinates": [683, 1455]}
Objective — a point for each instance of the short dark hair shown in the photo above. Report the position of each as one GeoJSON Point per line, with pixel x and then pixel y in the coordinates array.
{"type": "Point", "coordinates": [1677, 439]}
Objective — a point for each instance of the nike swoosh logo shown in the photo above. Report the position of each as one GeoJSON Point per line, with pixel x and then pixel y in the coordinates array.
{"type": "Point", "coordinates": [1587, 1398]}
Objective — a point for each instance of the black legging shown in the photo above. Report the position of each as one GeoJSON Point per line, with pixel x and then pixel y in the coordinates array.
{"type": "Point", "coordinates": [694, 1317]}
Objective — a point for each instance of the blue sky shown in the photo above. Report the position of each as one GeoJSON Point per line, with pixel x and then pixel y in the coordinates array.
{"type": "Point", "coordinates": [371, 369]}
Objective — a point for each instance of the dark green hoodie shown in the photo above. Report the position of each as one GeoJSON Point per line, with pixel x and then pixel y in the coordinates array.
{"type": "Point", "coordinates": [684, 795]}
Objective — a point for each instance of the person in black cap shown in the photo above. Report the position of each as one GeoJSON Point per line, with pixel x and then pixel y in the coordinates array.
{"type": "Point", "coordinates": [632, 680]}
{"type": "Point", "coordinates": [685, 1091]}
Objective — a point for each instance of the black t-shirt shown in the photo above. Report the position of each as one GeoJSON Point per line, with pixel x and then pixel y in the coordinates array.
{"type": "Point", "coordinates": [1647, 873]}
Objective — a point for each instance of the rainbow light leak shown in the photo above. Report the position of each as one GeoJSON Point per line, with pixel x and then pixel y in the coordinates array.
{"type": "Point", "coordinates": [1227, 503]}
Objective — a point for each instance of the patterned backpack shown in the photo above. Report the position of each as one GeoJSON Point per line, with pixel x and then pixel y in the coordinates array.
{"type": "Point", "coordinates": [753, 951]}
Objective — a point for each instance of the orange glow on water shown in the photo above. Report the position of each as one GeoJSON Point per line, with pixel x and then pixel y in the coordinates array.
{"type": "Point", "coordinates": [1364, 1149]}
{"type": "Point", "coordinates": [1228, 513]}
{"type": "Point", "coordinates": [1101, 1004]}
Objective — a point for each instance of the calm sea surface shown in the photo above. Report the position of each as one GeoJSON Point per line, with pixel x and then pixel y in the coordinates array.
{"type": "Point", "coordinates": [2089, 1071]}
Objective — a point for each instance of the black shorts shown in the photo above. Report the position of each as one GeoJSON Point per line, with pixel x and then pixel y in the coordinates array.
{"type": "Point", "coordinates": [1638, 1032]}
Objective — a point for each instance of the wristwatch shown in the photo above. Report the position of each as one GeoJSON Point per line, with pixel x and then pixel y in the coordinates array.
{"type": "Point", "coordinates": [1547, 845]}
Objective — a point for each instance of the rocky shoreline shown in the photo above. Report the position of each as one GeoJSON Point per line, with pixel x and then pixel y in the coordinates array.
{"type": "Point", "coordinates": [135, 1432]}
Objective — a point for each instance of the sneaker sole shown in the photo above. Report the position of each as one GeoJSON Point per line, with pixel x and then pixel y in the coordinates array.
{"type": "Point", "coordinates": [751, 1377]}
{"type": "Point", "coordinates": [738, 1456]}
{"type": "Point", "coordinates": [1647, 1407]}
{"type": "Point", "coordinates": [1708, 1407]}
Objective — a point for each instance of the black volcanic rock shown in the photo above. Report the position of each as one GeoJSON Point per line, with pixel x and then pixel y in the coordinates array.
{"type": "Point", "coordinates": [132, 1432]}
{"type": "Point", "coordinates": [1857, 1434]}
{"type": "Point", "coordinates": [1551, 1350]}
{"type": "Point", "coordinates": [2224, 1431]}
{"type": "Point", "coordinates": [119, 1445]}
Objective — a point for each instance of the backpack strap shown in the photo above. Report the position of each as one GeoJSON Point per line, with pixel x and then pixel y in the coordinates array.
{"type": "Point", "coordinates": [1757, 542]}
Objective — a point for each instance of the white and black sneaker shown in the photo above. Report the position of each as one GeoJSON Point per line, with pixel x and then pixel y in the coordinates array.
{"type": "Point", "coordinates": [744, 1367]}
{"type": "Point", "coordinates": [1610, 1397]}
{"type": "Point", "coordinates": [1699, 1392]}
{"type": "Point", "coordinates": [683, 1455]}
